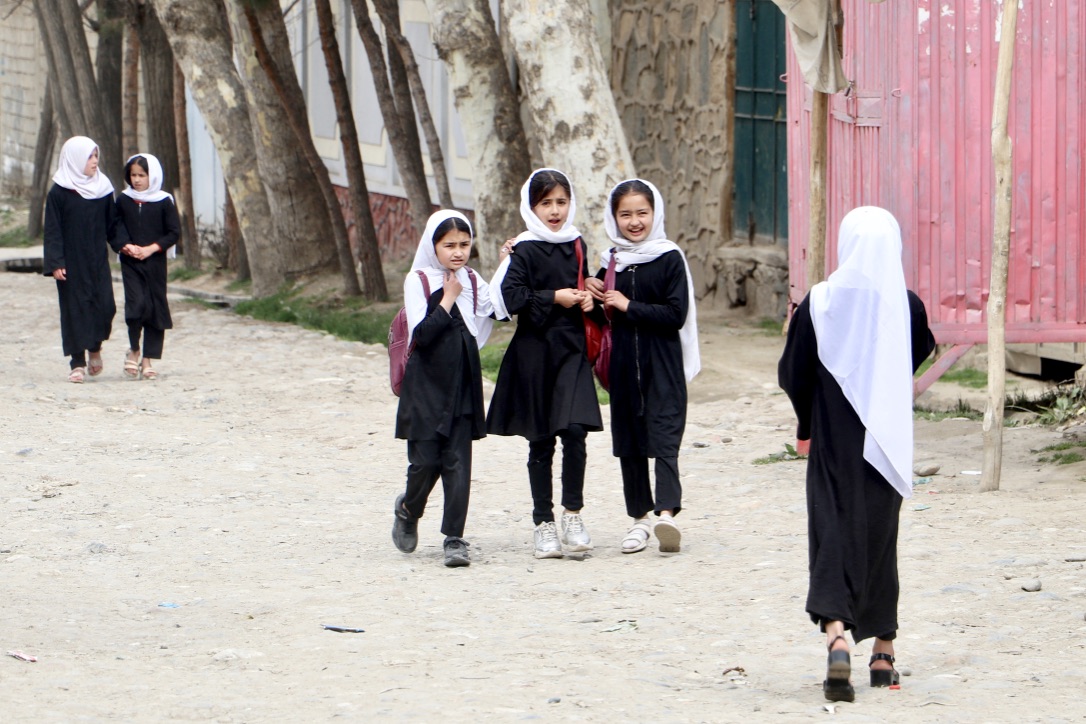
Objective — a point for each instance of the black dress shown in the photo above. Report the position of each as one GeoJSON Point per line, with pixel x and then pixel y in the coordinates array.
{"type": "Point", "coordinates": [76, 232]}
{"type": "Point", "coordinates": [545, 383]}
{"type": "Point", "coordinates": [145, 279]}
{"type": "Point", "coordinates": [443, 378]}
{"type": "Point", "coordinates": [852, 510]}
{"type": "Point", "coordinates": [648, 383]}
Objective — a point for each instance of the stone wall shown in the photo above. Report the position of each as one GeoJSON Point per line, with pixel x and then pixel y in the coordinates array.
{"type": "Point", "coordinates": [672, 74]}
{"type": "Point", "coordinates": [22, 83]}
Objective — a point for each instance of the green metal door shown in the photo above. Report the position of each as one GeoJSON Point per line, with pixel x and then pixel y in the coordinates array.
{"type": "Point", "coordinates": [761, 150]}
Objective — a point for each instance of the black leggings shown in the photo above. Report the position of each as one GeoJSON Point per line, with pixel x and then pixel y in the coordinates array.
{"type": "Point", "coordinates": [448, 458]}
{"type": "Point", "coordinates": [79, 359]}
{"type": "Point", "coordinates": [541, 467]}
{"type": "Point", "coordinates": [638, 488]}
{"type": "Point", "coordinates": [152, 339]}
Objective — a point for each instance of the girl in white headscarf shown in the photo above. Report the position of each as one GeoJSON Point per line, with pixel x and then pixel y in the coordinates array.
{"type": "Point", "coordinates": [151, 228]}
{"type": "Point", "coordinates": [853, 345]}
{"type": "Point", "coordinates": [654, 354]}
{"type": "Point", "coordinates": [79, 220]}
{"type": "Point", "coordinates": [545, 389]}
{"type": "Point", "coordinates": [441, 400]}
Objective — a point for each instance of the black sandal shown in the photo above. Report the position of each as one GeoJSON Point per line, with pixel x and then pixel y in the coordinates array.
{"type": "Point", "coordinates": [884, 677]}
{"type": "Point", "coordinates": [837, 687]}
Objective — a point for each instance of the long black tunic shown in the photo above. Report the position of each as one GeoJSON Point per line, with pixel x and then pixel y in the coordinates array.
{"type": "Point", "coordinates": [545, 383]}
{"type": "Point", "coordinates": [76, 231]}
{"type": "Point", "coordinates": [443, 378]}
{"type": "Point", "coordinates": [648, 385]}
{"type": "Point", "coordinates": [852, 511]}
{"type": "Point", "coordinates": [145, 279]}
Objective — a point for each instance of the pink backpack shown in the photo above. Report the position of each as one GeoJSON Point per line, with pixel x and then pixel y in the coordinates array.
{"type": "Point", "coordinates": [398, 349]}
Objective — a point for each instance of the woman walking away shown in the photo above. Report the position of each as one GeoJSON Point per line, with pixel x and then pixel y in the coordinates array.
{"type": "Point", "coordinates": [441, 401]}
{"type": "Point", "coordinates": [654, 354]}
{"type": "Point", "coordinates": [79, 220]}
{"type": "Point", "coordinates": [545, 388]}
{"type": "Point", "coordinates": [150, 227]}
{"type": "Point", "coordinates": [853, 345]}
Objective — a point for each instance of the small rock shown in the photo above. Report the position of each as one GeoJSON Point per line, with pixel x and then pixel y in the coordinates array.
{"type": "Point", "coordinates": [97, 547]}
{"type": "Point", "coordinates": [1032, 585]}
{"type": "Point", "coordinates": [925, 471]}
{"type": "Point", "coordinates": [701, 444]}
{"type": "Point", "coordinates": [905, 670]}
{"type": "Point", "coordinates": [725, 439]}
{"type": "Point", "coordinates": [554, 700]}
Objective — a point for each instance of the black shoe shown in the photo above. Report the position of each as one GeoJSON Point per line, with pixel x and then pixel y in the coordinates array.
{"type": "Point", "coordinates": [456, 552]}
{"type": "Point", "coordinates": [405, 529]}
{"type": "Point", "coordinates": [837, 686]}
{"type": "Point", "coordinates": [884, 677]}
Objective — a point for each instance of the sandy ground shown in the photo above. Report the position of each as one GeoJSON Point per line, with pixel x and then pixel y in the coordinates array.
{"type": "Point", "coordinates": [170, 550]}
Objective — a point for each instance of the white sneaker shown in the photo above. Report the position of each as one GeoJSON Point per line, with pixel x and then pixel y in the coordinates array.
{"type": "Point", "coordinates": [546, 541]}
{"type": "Point", "coordinates": [668, 534]}
{"type": "Point", "coordinates": [574, 535]}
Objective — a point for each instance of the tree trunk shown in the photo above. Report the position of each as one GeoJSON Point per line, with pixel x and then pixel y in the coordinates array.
{"type": "Point", "coordinates": [238, 259]}
{"type": "Point", "coordinates": [389, 12]}
{"type": "Point", "coordinates": [296, 115]}
{"type": "Point", "coordinates": [130, 127]}
{"type": "Point", "coordinates": [997, 292]}
{"type": "Point", "coordinates": [301, 214]}
{"type": "Point", "coordinates": [109, 57]}
{"type": "Point", "coordinates": [190, 240]}
{"type": "Point", "coordinates": [43, 157]}
{"type": "Point", "coordinates": [373, 275]}
{"type": "Point", "coordinates": [558, 54]}
{"type": "Point", "coordinates": [407, 154]}
{"type": "Point", "coordinates": [158, 70]}
{"type": "Point", "coordinates": [200, 38]}
{"type": "Point", "coordinates": [70, 111]}
{"type": "Point", "coordinates": [468, 43]}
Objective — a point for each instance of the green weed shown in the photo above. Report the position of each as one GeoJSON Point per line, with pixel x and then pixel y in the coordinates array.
{"type": "Point", "coordinates": [962, 409]}
{"type": "Point", "coordinates": [780, 457]}
{"type": "Point", "coordinates": [352, 319]}
{"type": "Point", "coordinates": [16, 237]}
{"type": "Point", "coordinates": [181, 273]}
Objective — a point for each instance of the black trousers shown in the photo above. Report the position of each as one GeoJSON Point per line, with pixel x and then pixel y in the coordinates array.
{"type": "Point", "coordinates": [79, 359]}
{"type": "Point", "coordinates": [638, 488]}
{"type": "Point", "coordinates": [541, 472]}
{"type": "Point", "coordinates": [450, 459]}
{"type": "Point", "coordinates": [152, 339]}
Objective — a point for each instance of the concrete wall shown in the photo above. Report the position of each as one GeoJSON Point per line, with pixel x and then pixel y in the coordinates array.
{"type": "Point", "coordinates": [22, 84]}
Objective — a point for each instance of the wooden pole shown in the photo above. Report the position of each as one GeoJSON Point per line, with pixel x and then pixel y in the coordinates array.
{"type": "Point", "coordinates": [997, 293]}
{"type": "Point", "coordinates": [816, 237]}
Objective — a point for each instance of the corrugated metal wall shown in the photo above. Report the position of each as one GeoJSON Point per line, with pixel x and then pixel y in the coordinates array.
{"type": "Point", "coordinates": [914, 136]}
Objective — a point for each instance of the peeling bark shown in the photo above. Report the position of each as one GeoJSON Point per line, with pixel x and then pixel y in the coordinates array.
{"type": "Point", "coordinates": [190, 241]}
{"type": "Point", "coordinates": [158, 71]}
{"type": "Point", "coordinates": [467, 41]}
{"type": "Point", "coordinates": [569, 99]}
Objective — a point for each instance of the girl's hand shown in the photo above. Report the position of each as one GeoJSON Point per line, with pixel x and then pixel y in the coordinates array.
{"type": "Point", "coordinates": [452, 287]}
{"type": "Point", "coordinates": [587, 302]}
{"type": "Point", "coordinates": [615, 299]}
{"type": "Point", "coordinates": [61, 275]}
{"type": "Point", "coordinates": [507, 249]}
{"type": "Point", "coordinates": [567, 297]}
{"type": "Point", "coordinates": [594, 287]}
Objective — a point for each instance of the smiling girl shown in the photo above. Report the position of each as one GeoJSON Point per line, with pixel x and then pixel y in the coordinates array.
{"type": "Point", "coordinates": [654, 355]}
{"type": "Point", "coordinates": [441, 401]}
{"type": "Point", "coordinates": [79, 219]}
{"type": "Point", "coordinates": [151, 226]}
{"type": "Point", "coordinates": [545, 388]}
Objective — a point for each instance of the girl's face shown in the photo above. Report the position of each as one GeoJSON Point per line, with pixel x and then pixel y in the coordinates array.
{"type": "Point", "coordinates": [453, 249]}
{"type": "Point", "coordinates": [92, 164]}
{"type": "Point", "coordinates": [138, 178]}
{"type": "Point", "coordinates": [633, 216]}
{"type": "Point", "coordinates": [553, 209]}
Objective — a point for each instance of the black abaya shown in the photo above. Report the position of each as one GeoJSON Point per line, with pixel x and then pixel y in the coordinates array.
{"type": "Point", "coordinates": [852, 510]}
{"type": "Point", "coordinates": [545, 384]}
{"type": "Point", "coordinates": [144, 224]}
{"type": "Point", "coordinates": [75, 239]}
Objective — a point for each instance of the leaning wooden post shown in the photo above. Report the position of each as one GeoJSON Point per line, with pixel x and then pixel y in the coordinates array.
{"type": "Point", "coordinates": [816, 236]}
{"type": "Point", "coordinates": [997, 293]}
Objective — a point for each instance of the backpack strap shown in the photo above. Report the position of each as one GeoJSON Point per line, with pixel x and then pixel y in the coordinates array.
{"type": "Point", "coordinates": [425, 283]}
{"type": "Point", "coordinates": [474, 291]}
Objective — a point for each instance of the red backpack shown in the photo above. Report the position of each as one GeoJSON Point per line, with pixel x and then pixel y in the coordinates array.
{"type": "Point", "coordinates": [398, 349]}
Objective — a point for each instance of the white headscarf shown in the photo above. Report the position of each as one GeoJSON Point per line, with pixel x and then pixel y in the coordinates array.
{"type": "Point", "coordinates": [641, 252]}
{"type": "Point", "coordinates": [154, 190]}
{"type": "Point", "coordinates": [476, 317]}
{"type": "Point", "coordinates": [536, 231]}
{"type": "Point", "coordinates": [74, 155]}
{"type": "Point", "coordinates": [861, 321]}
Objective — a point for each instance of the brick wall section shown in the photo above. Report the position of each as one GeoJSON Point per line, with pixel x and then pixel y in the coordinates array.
{"type": "Point", "coordinates": [22, 82]}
